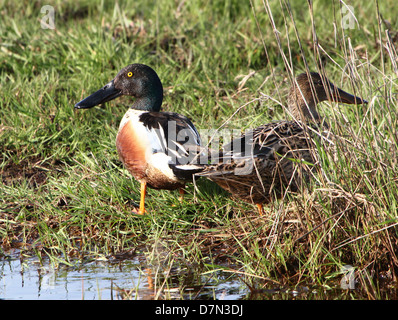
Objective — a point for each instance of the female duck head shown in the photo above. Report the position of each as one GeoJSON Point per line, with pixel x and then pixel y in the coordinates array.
{"type": "Point", "coordinates": [309, 91]}
{"type": "Point", "coordinates": [136, 80]}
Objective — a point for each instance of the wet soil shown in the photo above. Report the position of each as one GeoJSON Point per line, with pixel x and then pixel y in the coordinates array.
{"type": "Point", "coordinates": [33, 170]}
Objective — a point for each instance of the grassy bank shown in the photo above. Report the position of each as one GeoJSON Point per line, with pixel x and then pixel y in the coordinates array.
{"type": "Point", "coordinates": [64, 193]}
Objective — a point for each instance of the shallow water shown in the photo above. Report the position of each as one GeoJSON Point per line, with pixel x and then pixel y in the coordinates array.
{"type": "Point", "coordinates": [132, 278]}
{"type": "Point", "coordinates": [103, 280]}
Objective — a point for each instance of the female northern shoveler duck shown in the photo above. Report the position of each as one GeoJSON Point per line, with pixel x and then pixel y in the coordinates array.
{"type": "Point", "coordinates": [263, 162]}
{"type": "Point", "coordinates": [155, 146]}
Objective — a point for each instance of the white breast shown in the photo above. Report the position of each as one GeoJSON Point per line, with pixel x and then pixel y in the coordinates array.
{"type": "Point", "coordinates": [153, 138]}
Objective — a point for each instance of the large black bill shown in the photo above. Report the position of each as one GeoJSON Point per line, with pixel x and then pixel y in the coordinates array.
{"type": "Point", "coordinates": [107, 93]}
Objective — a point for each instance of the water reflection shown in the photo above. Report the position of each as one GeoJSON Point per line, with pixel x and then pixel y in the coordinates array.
{"type": "Point", "coordinates": [103, 280]}
{"type": "Point", "coordinates": [134, 278]}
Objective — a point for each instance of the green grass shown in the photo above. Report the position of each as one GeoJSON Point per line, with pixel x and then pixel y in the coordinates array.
{"type": "Point", "coordinates": [64, 193]}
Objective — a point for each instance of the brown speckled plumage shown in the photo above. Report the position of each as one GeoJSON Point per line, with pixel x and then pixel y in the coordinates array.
{"type": "Point", "coordinates": [278, 155]}
{"type": "Point", "coordinates": [284, 157]}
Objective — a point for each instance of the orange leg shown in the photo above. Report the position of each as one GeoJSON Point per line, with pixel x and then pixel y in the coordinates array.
{"type": "Point", "coordinates": [149, 278]}
{"type": "Point", "coordinates": [260, 209]}
{"type": "Point", "coordinates": [142, 201]}
{"type": "Point", "coordinates": [142, 210]}
{"type": "Point", "coordinates": [182, 192]}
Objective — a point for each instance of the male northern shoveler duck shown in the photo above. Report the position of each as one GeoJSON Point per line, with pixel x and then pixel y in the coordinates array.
{"type": "Point", "coordinates": [156, 147]}
{"type": "Point", "coordinates": [265, 161]}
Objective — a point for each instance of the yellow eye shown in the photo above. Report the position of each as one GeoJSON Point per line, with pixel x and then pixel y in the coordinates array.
{"type": "Point", "coordinates": [130, 74]}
